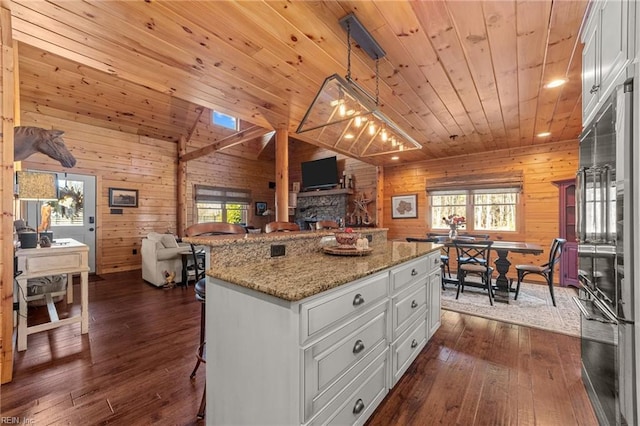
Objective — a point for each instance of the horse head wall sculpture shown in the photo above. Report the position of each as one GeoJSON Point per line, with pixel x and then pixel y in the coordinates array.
{"type": "Point", "coordinates": [28, 140]}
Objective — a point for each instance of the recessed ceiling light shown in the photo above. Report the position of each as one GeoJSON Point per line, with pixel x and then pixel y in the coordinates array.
{"type": "Point", "coordinates": [395, 157]}
{"type": "Point", "coordinates": [544, 134]}
{"type": "Point", "coordinates": [555, 83]}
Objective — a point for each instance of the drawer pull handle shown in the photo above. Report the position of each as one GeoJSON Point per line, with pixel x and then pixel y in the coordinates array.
{"type": "Point", "coordinates": [414, 304]}
{"type": "Point", "coordinates": [414, 272]}
{"type": "Point", "coordinates": [358, 347]}
{"type": "Point", "coordinates": [357, 409]}
{"type": "Point", "coordinates": [414, 343]}
{"type": "Point", "coordinates": [358, 300]}
{"type": "Point", "coordinates": [594, 88]}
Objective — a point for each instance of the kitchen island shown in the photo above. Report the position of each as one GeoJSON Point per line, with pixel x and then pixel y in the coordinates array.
{"type": "Point", "coordinates": [312, 338]}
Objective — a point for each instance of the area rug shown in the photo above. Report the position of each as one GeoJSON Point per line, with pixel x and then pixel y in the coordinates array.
{"type": "Point", "coordinates": [532, 309]}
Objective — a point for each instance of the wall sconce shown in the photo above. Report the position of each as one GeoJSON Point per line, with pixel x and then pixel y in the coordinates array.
{"type": "Point", "coordinates": [344, 115]}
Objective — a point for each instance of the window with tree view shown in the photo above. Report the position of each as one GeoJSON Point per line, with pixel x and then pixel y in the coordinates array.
{"type": "Point", "coordinates": [214, 204]}
{"type": "Point", "coordinates": [492, 209]}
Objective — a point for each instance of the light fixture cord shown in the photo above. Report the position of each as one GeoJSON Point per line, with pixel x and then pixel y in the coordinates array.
{"type": "Point", "coordinates": [348, 51]}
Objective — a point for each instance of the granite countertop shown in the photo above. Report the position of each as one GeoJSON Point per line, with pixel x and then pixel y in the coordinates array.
{"type": "Point", "coordinates": [297, 277]}
{"type": "Point", "coordinates": [235, 239]}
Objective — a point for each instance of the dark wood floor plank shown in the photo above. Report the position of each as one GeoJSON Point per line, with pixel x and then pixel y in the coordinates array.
{"type": "Point", "coordinates": [133, 368]}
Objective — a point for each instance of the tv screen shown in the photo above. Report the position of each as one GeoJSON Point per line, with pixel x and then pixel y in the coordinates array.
{"type": "Point", "coordinates": [319, 174]}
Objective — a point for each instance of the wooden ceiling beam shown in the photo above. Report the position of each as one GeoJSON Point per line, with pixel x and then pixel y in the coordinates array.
{"type": "Point", "coordinates": [235, 139]}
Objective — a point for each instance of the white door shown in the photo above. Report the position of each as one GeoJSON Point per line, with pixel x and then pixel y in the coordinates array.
{"type": "Point", "coordinates": [73, 215]}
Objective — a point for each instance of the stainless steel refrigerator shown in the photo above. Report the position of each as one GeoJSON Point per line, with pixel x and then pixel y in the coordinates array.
{"type": "Point", "coordinates": [604, 227]}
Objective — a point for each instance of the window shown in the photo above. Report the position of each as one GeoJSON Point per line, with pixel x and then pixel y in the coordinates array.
{"type": "Point", "coordinates": [68, 210]}
{"type": "Point", "coordinates": [214, 204]}
{"type": "Point", "coordinates": [224, 120]}
{"type": "Point", "coordinates": [489, 202]}
{"type": "Point", "coordinates": [485, 210]}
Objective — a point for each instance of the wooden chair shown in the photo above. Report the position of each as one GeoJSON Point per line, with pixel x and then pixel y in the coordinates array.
{"type": "Point", "coordinates": [327, 224]}
{"type": "Point", "coordinates": [200, 230]}
{"type": "Point", "coordinates": [473, 258]}
{"type": "Point", "coordinates": [546, 270]}
{"type": "Point", "coordinates": [281, 227]}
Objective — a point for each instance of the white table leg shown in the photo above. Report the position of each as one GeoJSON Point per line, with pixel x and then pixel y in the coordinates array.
{"type": "Point", "coordinates": [84, 302]}
{"type": "Point", "coordinates": [22, 314]}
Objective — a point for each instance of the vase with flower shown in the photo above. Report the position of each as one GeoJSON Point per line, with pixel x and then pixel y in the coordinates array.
{"type": "Point", "coordinates": [454, 221]}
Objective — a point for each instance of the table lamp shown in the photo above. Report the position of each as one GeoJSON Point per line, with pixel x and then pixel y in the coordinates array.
{"type": "Point", "coordinates": [36, 186]}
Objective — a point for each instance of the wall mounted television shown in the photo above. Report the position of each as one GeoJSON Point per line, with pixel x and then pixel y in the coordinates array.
{"type": "Point", "coordinates": [320, 174]}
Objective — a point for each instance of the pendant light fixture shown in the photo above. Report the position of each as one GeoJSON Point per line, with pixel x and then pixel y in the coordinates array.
{"type": "Point", "coordinates": [343, 115]}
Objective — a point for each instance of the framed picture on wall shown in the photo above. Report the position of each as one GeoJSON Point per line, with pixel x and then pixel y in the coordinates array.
{"type": "Point", "coordinates": [261, 207]}
{"type": "Point", "coordinates": [404, 206]}
{"type": "Point", "coordinates": [119, 197]}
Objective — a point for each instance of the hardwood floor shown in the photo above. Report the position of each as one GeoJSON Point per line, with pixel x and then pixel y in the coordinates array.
{"type": "Point", "coordinates": [133, 368]}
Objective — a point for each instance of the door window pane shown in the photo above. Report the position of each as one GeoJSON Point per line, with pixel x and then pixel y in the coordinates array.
{"type": "Point", "coordinates": [68, 210]}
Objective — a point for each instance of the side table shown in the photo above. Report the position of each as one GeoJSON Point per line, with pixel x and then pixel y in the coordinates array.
{"type": "Point", "coordinates": [187, 262]}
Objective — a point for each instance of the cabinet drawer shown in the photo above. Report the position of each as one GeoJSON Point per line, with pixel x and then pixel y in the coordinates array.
{"type": "Point", "coordinates": [406, 306]}
{"type": "Point", "coordinates": [434, 260]}
{"type": "Point", "coordinates": [407, 348]}
{"type": "Point", "coordinates": [330, 363]}
{"type": "Point", "coordinates": [40, 264]}
{"type": "Point", "coordinates": [321, 314]}
{"type": "Point", "coordinates": [409, 273]}
{"type": "Point", "coordinates": [359, 399]}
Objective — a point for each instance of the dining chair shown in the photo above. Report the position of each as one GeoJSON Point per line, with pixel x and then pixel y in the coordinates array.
{"type": "Point", "coordinates": [473, 258]}
{"type": "Point", "coordinates": [281, 227]}
{"type": "Point", "coordinates": [201, 230]}
{"type": "Point", "coordinates": [546, 269]}
{"type": "Point", "coordinates": [327, 224]}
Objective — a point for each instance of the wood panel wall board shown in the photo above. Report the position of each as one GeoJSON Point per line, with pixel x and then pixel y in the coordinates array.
{"type": "Point", "coordinates": [562, 41]}
{"type": "Point", "coordinates": [500, 18]}
{"type": "Point", "coordinates": [446, 42]}
{"type": "Point", "coordinates": [412, 61]}
{"type": "Point", "coordinates": [477, 52]}
{"type": "Point", "coordinates": [531, 50]}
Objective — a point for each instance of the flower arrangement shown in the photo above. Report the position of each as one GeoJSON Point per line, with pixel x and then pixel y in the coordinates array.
{"type": "Point", "coordinates": [454, 221]}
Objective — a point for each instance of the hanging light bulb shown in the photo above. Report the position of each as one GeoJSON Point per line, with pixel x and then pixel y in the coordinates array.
{"type": "Point", "coordinates": [383, 134]}
{"type": "Point", "coordinates": [394, 142]}
{"type": "Point", "coordinates": [358, 121]}
{"type": "Point", "coordinates": [372, 128]}
{"type": "Point", "coordinates": [342, 108]}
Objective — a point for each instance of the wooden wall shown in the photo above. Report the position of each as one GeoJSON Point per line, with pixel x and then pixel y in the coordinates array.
{"type": "Point", "coordinates": [233, 172]}
{"type": "Point", "coordinates": [541, 166]}
{"type": "Point", "coordinates": [123, 160]}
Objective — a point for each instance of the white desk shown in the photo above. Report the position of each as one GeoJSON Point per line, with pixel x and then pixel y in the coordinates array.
{"type": "Point", "coordinates": [65, 256]}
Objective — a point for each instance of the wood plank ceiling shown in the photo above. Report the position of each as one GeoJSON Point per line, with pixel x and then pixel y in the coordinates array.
{"type": "Point", "coordinates": [459, 76]}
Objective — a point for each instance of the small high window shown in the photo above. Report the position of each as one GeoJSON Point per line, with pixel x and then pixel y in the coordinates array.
{"type": "Point", "coordinates": [225, 120]}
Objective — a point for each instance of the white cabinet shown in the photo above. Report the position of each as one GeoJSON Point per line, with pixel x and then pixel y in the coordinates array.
{"type": "Point", "coordinates": [608, 50]}
{"type": "Point", "coordinates": [327, 359]}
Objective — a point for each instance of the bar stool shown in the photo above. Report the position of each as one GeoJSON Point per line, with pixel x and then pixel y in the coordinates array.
{"type": "Point", "coordinates": [200, 289]}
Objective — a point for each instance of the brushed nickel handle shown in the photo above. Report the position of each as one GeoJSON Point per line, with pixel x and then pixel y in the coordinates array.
{"type": "Point", "coordinates": [414, 343]}
{"type": "Point", "coordinates": [414, 272]}
{"type": "Point", "coordinates": [357, 409]}
{"type": "Point", "coordinates": [414, 304]}
{"type": "Point", "coordinates": [594, 88]}
{"type": "Point", "coordinates": [358, 300]}
{"type": "Point", "coordinates": [358, 347]}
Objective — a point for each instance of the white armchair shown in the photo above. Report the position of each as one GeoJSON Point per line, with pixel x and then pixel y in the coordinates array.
{"type": "Point", "coordinates": [160, 253]}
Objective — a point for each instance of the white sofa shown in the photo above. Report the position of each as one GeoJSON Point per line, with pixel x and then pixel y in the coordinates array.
{"type": "Point", "coordinates": [160, 253]}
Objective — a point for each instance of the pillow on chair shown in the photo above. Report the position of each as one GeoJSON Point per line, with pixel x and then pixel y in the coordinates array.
{"type": "Point", "coordinates": [169, 241]}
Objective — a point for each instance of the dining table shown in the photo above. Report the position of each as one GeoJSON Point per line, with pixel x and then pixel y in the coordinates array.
{"type": "Point", "coordinates": [502, 249]}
